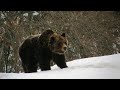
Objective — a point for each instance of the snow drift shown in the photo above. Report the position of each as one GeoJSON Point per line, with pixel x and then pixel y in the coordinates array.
{"type": "Point", "coordinates": [103, 67]}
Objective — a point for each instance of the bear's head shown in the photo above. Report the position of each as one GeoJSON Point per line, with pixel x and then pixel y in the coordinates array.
{"type": "Point", "coordinates": [58, 43]}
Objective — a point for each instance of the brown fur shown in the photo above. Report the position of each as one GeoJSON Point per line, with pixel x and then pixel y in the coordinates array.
{"type": "Point", "coordinates": [41, 49]}
{"type": "Point", "coordinates": [59, 44]}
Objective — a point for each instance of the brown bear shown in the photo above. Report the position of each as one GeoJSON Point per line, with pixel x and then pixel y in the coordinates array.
{"type": "Point", "coordinates": [38, 51]}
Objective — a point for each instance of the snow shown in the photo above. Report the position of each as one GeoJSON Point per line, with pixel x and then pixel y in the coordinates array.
{"type": "Point", "coordinates": [25, 14]}
{"type": "Point", "coordinates": [2, 16]}
{"type": "Point", "coordinates": [102, 67]}
{"type": "Point", "coordinates": [35, 13]}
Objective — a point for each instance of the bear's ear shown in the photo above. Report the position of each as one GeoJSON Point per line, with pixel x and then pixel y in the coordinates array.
{"type": "Point", "coordinates": [63, 34]}
{"type": "Point", "coordinates": [52, 39]}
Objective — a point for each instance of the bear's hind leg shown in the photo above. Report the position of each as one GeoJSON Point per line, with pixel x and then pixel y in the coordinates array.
{"type": "Point", "coordinates": [29, 68]}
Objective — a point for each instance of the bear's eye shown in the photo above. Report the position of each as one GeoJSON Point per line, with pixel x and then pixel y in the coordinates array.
{"type": "Point", "coordinates": [65, 43]}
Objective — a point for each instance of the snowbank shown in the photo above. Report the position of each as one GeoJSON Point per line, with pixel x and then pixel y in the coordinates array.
{"type": "Point", "coordinates": [104, 67]}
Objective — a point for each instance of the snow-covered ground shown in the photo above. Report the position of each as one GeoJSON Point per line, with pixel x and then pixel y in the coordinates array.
{"type": "Point", "coordinates": [104, 67]}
